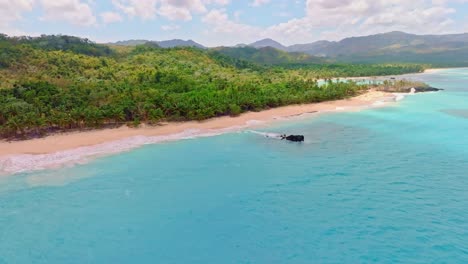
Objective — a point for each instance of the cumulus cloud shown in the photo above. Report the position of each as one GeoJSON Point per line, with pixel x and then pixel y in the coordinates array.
{"type": "Point", "coordinates": [336, 19]}
{"type": "Point", "coordinates": [76, 12]}
{"type": "Point", "coordinates": [170, 9]}
{"type": "Point", "coordinates": [11, 11]}
{"type": "Point", "coordinates": [110, 17]}
{"type": "Point", "coordinates": [170, 27]}
{"type": "Point", "coordinates": [227, 30]}
{"type": "Point", "coordinates": [145, 9]}
{"type": "Point", "coordinates": [259, 2]}
{"type": "Point", "coordinates": [73, 11]}
{"type": "Point", "coordinates": [322, 19]}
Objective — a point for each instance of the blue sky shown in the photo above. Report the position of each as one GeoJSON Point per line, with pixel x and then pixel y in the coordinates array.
{"type": "Point", "coordinates": [229, 22]}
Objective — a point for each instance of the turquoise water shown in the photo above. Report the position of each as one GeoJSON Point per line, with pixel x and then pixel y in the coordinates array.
{"type": "Point", "coordinates": [385, 185]}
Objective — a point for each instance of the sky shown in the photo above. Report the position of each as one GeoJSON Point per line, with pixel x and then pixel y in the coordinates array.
{"type": "Point", "coordinates": [230, 22]}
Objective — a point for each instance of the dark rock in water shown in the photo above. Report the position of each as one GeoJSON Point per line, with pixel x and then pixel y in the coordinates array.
{"type": "Point", "coordinates": [426, 89]}
{"type": "Point", "coordinates": [293, 138]}
{"type": "Point", "coordinates": [410, 89]}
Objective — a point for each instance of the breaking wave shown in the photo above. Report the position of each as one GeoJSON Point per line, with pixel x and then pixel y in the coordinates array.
{"type": "Point", "coordinates": [15, 164]}
{"type": "Point", "coordinates": [266, 134]}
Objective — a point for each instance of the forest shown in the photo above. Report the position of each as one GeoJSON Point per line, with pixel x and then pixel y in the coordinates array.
{"type": "Point", "coordinates": [58, 83]}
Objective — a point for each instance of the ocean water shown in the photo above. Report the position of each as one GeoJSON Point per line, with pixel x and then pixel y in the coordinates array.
{"type": "Point", "coordinates": [385, 185]}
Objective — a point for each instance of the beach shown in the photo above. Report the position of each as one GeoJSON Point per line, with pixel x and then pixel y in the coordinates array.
{"type": "Point", "coordinates": [67, 141]}
{"type": "Point", "coordinates": [433, 70]}
{"type": "Point", "coordinates": [379, 175]}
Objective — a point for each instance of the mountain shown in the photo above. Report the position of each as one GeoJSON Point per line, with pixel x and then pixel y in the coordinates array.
{"type": "Point", "coordinates": [179, 43]}
{"type": "Point", "coordinates": [269, 55]}
{"type": "Point", "coordinates": [241, 45]}
{"type": "Point", "coordinates": [163, 44]}
{"type": "Point", "coordinates": [396, 46]}
{"type": "Point", "coordinates": [58, 43]}
{"type": "Point", "coordinates": [391, 41]}
{"type": "Point", "coordinates": [268, 43]}
{"type": "Point", "coordinates": [312, 48]}
{"type": "Point", "coordinates": [131, 42]}
{"type": "Point", "coordinates": [393, 47]}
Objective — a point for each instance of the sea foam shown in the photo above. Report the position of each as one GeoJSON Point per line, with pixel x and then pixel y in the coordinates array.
{"type": "Point", "coordinates": [266, 134]}
{"type": "Point", "coordinates": [15, 164]}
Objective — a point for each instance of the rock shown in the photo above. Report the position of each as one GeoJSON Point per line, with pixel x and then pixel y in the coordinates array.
{"type": "Point", "coordinates": [426, 89]}
{"type": "Point", "coordinates": [293, 138]}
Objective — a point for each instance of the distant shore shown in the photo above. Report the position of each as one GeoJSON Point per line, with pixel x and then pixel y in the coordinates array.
{"type": "Point", "coordinates": [66, 141]}
{"type": "Point", "coordinates": [433, 70]}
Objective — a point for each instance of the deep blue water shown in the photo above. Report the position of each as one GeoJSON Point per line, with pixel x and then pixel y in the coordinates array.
{"type": "Point", "coordinates": [387, 185]}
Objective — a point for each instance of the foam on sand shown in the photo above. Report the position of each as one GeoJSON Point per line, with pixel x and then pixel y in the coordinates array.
{"type": "Point", "coordinates": [15, 164]}
{"type": "Point", "coordinates": [266, 134]}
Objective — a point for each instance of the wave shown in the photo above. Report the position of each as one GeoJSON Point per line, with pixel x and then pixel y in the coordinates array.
{"type": "Point", "coordinates": [16, 164]}
{"type": "Point", "coordinates": [399, 97]}
{"type": "Point", "coordinates": [266, 134]}
{"type": "Point", "coordinates": [379, 103]}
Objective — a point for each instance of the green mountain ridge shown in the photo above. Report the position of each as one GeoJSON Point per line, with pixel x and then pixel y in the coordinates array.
{"type": "Point", "coordinates": [269, 55]}
{"type": "Point", "coordinates": [392, 47]}
{"type": "Point", "coordinates": [173, 43]}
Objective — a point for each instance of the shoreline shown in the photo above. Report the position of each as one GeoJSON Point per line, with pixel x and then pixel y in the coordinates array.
{"type": "Point", "coordinates": [434, 70]}
{"type": "Point", "coordinates": [73, 140]}
{"type": "Point", "coordinates": [430, 71]}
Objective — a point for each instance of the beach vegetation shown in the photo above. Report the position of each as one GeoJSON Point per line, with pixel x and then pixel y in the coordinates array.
{"type": "Point", "coordinates": [60, 83]}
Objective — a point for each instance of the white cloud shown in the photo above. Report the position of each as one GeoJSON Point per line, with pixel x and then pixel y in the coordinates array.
{"type": "Point", "coordinates": [336, 19]}
{"type": "Point", "coordinates": [145, 9]}
{"type": "Point", "coordinates": [73, 11]}
{"type": "Point", "coordinates": [217, 2]}
{"type": "Point", "coordinates": [259, 2]}
{"type": "Point", "coordinates": [238, 14]}
{"type": "Point", "coordinates": [110, 17]}
{"type": "Point", "coordinates": [171, 27]}
{"type": "Point", "coordinates": [11, 11]}
{"type": "Point", "coordinates": [228, 31]}
{"type": "Point", "coordinates": [323, 19]}
{"type": "Point", "coordinates": [175, 13]}
{"type": "Point", "coordinates": [170, 9]}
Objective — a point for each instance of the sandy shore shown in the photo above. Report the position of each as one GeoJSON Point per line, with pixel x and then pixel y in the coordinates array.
{"type": "Point", "coordinates": [434, 70]}
{"type": "Point", "coordinates": [67, 141]}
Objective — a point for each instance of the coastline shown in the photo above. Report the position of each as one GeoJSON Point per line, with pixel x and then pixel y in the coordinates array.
{"type": "Point", "coordinates": [433, 70]}
{"type": "Point", "coordinates": [430, 71]}
{"type": "Point", "coordinates": [76, 139]}
{"type": "Point", "coordinates": [65, 148]}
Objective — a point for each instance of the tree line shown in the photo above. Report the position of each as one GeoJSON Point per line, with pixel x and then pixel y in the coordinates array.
{"type": "Point", "coordinates": [57, 83]}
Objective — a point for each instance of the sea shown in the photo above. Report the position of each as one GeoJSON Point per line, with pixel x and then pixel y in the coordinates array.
{"type": "Point", "coordinates": [382, 185]}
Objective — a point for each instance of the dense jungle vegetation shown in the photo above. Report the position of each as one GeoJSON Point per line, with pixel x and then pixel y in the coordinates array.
{"type": "Point", "coordinates": [59, 83]}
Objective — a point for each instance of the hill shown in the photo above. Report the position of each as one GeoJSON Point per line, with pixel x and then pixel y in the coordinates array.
{"type": "Point", "coordinates": [179, 43]}
{"type": "Point", "coordinates": [163, 44]}
{"type": "Point", "coordinates": [268, 43]}
{"type": "Point", "coordinates": [59, 42]}
{"type": "Point", "coordinates": [312, 48]}
{"type": "Point", "coordinates": [269, 56]}
{"type": "Point", "coordinates": [131, 42]}
{"type": "Point", "coordinates": [392, 47]}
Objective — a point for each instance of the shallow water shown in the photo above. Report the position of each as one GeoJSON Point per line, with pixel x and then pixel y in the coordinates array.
{"type": "Point", "coordinates": [384, 185]}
